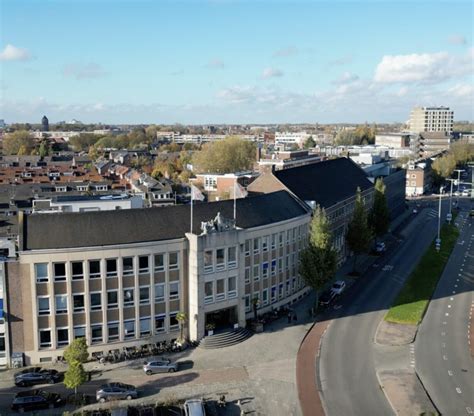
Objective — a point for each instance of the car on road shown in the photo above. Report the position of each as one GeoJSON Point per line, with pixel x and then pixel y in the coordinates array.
{"type": "Point", "coordinates": [380, 247]}
{"type": "Point", "coordinates": [338, 287]}
{"type": "Point", "coordinates": [116, 391]}
{"type": "Point", "coordinates": [326, 298]}
{"type": "Point", "coordinates": [159, 366]}
{"type": "Point", "coordinates": [466, 192]}
{"type": "Point", "coordinates": [415, 211]}
{"type": "Point", "coordinates": [471, 213]}
{"type": "Point", "coordinates": [36, 375]}
{"type": "Point", "coordinates": [194, 407]}
{"type": "Point", "coordinates": [35, 400]}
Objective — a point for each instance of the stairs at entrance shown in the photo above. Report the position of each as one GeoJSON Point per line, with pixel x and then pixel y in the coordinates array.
{"type": "Point", "coordinates": [225, 339]}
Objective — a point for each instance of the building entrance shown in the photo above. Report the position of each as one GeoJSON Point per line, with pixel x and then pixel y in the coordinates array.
{"type": "Point", "coordinates": [223, 318]}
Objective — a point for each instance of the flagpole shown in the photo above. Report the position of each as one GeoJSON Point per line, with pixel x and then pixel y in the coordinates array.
{"type": "Point", "coordinates": [191, 210]}
{"type": "Point", "coordinates": [235, 202]}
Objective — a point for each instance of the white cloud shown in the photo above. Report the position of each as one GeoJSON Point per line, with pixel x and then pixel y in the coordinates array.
{"type": "Point", "coordinates": [461, 90]}
{"type": "Point", "coordinates": [12, 53]}
{"type": "Point", "coordinates": [285, 52]}
{"type": "Point", "coordinates": [271, 73]}
{"type": "Point", "coordinates": [422, 68]}
{"type": "Point", "coordinates": [402, 91]}
{"type": "Point", "coordinates": [216, 64]}
{"type": "Point", "coordinates": [84, 71]}
{"type": "Point", "coordinates": [346, 78]}
{"type": "Point", "coordinates": [457, 40]}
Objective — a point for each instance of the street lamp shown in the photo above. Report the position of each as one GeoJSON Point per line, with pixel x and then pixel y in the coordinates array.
{"type": "Point", "coordinates": [458, 181]}
{"type": "Point", "coordinates": [438, 240]}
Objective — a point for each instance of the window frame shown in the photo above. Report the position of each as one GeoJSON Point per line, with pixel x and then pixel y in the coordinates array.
{"type": "Point", "coordinates": [43, 278]}
{"type": "Point", "coordinates": [175, 296]}
{"type": "Point", "coordinates": [95, 307]}
{"type": "Point", "coordinates": [44, 312]}
{"type": "Point", "coordinates": [61, 311]}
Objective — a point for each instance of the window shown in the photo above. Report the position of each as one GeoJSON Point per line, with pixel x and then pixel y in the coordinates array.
{"type": "Point", "coordinates": [113, 333]}
{"type": "Point", "coordinates": [128, 298]}
{"type": "Point", "coordinates": [96, 302]}
{"type": "Point", "coordinates": [61, 304]}
{"type": "Point", "coordinates": [173, 261]}
{"type": "Point", "coordinates": [274, 294]}
{"type": "Point", "coordinates": [293, 235]}
{"type": "Point", "coordinates": [41, 272]}
{"type": "Point", "coordinates": [274, 238]}
{"type": "Point", "coordinates": [43, 306]}
{"type": "Point", "coordinates": [220, 259]}
{"type": "Point", "coordinates": [129, 328]}
{"type": "Point", "coordinates": [96, 331]}
{"type": "Point", "coordinates": [273, 270]}
{"type": "Point", "coordinates": [160, 323]}
{"type": "Point", "coordinates": [280, 239]}
{"type": "Point", "coordinates": [256, 245]}
{"type": "Point", "coordinates": [256, 272]}
{"type": "Point", "coordinates": [127, 264]}
{"type": "Point", "coordinates": [77, 270]}
{"type": "Point", "coordinates": [174, 290]}
{"type": "Point", "coordinates": [280, 291]}
{"type": "Point", "coordinates": [280, 264]}
{"type": "Point", "coordinates": [144, 295]}
{"type": "Point", "coordinates": [208, 292]}
{"type": "Point", "coordinates": [247, 275]}
{"type": "Point", "coordinates": [265, 297]}
{"type": "Point", "coordinates": [288, 236]}
{"type": "Point", "coordinates": [59, 272]}
{"type": "Point", "coordinates": [208, 261]}
{"type": "Point", "coordinates": [231, 287]}
{"type": "Point", "coordinates": [94, 269]}
{"type": "Point", "coordinates": [143, 264]}
{"type": "Point", "coordinates": [78, 302]}
{"type": "Point", "coordinates": [111, 267]}
{"type": "Point", "coordinates": [232, 257]}
{"type": "Point", "coordinates": [247, 248]}
{"type": "Point", "coordinates": [159, 292]}
{"type": "Point", "coordinates": [265, 270]}
{"type": "Point", "coordinates": [265, 243]}
{"type": "Point", "coordinates": [288, 262]}
{"type": "Point", "coordinates": [45, 338]}
{"type": "Point", "coordinates": [62, 337]}
{"type": "Point", "coordinates": [145, 326]}
{"type": "Point", "coordinates": [79, 332]}
{"type": "Point", "coordinates": [174, 324]}
{"type": "Point", "coordinates": [112, 299]}
{"type": "Point", "coordinates": [220, 289]}
{"type": "Point", "coordinates": [159, 262]}
{"type": "Point", "coordinates": [247, 303]}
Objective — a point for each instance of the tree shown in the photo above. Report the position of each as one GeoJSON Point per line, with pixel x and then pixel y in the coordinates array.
{"type": "Point", "coordinates": [75, 376]}
{"type": "Point", "coordinates": [77, 351]}
{"type": "Point", "coordinates": [232, 154]}
{"type": "Point", "coordinates": [358, 235]}
{"type": "Point", "coordinates": [181, 318]}
{"type": "Point", "coordinates": [462, 151]}
{"type": "Point", "coordinates": [444, 166]}
{"type": "Point", "coordinates": [345, 137]}
{"type": "Point", "coordinates": [379, 217]}
{"type": "Point", "coordinates": [318, 261]}
{"type": "Point", "coordinates": [16, 141]}
{"type": "Point", "coordinates": [83, 141]}
{"type": "Point", "coordinates": [43, 149]}
{"type": "Point", "coordinates": [309, 143]}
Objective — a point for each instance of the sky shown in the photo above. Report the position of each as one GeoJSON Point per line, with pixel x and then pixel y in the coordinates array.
{"type": "Point", "coordinates": [224, 61]}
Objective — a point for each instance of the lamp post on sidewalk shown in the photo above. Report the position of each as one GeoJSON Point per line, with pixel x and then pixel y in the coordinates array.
{"type": "Point", "coordinates": [438, 240]}
{"type": "Point", "coordinates": [458, 181]}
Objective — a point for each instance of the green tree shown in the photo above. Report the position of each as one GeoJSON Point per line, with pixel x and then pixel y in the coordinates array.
{"type": "Point", "coordinates": [181, 318]}
{"type": "Point", "coordinates": [379, 217]}
{"type": "Point", "coordinates": [444, 166]}
{"type": "Point", "coordinates": [358, 235]}
{"type": "Point", "coordinates": [20, 139]}
{"type": "Point", "coordinates": [232, 154]}
{"type": "Point", "coordinates": [43, 149]}
{"type": "Point", "coordinates": [309, 143]}
{"type": "Point", "coordinates": [346, 138]}
{"type": "Point", "coordinates": [462, 151]}
{"type": "Point", "coordinates": [83, 142]}
{"type": "Point", "coordinates": [75, 376]}
{"type": "Point", "coordinates": [318, 261]}
{"type": "Point", "coordinates": [77, 351]}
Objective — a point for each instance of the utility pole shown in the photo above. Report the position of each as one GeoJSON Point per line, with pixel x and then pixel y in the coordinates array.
{"type": "Point", "coordinates": [438, 240]}
{"type": "Point", "coordinates": [459, 179]}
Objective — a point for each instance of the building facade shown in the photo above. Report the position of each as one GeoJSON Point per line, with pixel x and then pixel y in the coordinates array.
{"type": "Point", "coordinates": [431, 119]}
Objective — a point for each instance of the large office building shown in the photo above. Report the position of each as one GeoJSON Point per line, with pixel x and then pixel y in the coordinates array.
{"type": "Point", "coordinates": [431, 119]}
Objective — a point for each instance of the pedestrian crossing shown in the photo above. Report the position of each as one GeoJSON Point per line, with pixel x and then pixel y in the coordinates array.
{"type": "Point", "coordinates": [433, 213]}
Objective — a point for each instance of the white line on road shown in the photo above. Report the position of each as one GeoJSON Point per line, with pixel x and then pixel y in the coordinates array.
{"type": "Point", "coordinates": [445, 357]}
{"type": "Point", "coordinates": [469, 411]}
{"type": "Point", "coordinates": [449, 306]}
{"type": "Point", "coordinates": [443, 334]}
{"type": "Point", "coordinates": [450, 373]}
{"type": "Point", "coordinates": [458, 390]}
{"type": "Point", "coordinates": [451, 298]}
{"type": "Point", "coordinates": [447, 314]}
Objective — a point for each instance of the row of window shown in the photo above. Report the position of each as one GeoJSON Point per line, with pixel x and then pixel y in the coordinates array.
{"type": "Point", "coordinates": [220, 259]}
{"type": "Point", "coordinates": [112, 298]}
{"type": "Point", "coordinates": [112, 333]}
{"type": "Point", "coordinates": [220, 289]}
{"type": "Point", "coordinates": [272, 268]}
{"type": "Point", "coordinates": [161, 261]}
{"type": "Point", "coordinates": [270, 242]}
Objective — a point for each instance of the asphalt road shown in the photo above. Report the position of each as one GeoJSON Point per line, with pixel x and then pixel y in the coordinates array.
{"type": "Point", "coordinates": [443, 358]}
{"type": "Point", "coordinates": [347, 371]}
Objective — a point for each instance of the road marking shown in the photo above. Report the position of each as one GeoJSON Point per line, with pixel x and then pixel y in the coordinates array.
{"type": "Point", "coordinates": [443, 345]}
{"type": "Point", "coordinates": [444, 323]}
{"type": "Point", "coordinates": [443, 334]}
{"type": "Point", "coordinates": [445, 357]}
{"type": "Point", "coordinates": [450, 373]}
{"type": "Point", "coordinates": [458, 390]}
{"type": "Point", "coordinates": [447, 314]}
{"type": "Point", "coordinates": [449, 306]}
{"type": "Point", "coordinates": [469, 411]}
{"type": "Point", "coordinates": [451, 298]}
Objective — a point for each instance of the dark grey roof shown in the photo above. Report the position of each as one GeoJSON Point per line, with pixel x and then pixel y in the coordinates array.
{"type": "Point", "coordinates": [325, 182]}
{"type": "Point", "coordinates": [102, 228]}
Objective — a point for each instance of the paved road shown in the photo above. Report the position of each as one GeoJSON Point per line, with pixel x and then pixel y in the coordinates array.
{"type": "Point", "coordinates": [346, 365]}
{"type": "Point", "coordinates": [443, 358]}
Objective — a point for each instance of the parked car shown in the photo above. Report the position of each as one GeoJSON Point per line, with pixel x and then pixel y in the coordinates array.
{"type": "Point", "coordinates": [35, 400]}
{"type": "Point", "coordinates": [36, 375]}
{"type": "Point", "coordinates": [194, 407]}
{"type": "Point", "coordinates": [116, 391]}
{"type": "Point", "coordinates": [338, 287]}
{"type": "Point", "coordinates": [380, 247]}
{"type": "Point", "coordinates": [159, 366]}
{"type": "Point", "coordinates": [326, 298]}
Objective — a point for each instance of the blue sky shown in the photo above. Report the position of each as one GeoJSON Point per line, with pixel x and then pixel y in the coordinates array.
{"type": "Point", "coordinates": [233, 61]}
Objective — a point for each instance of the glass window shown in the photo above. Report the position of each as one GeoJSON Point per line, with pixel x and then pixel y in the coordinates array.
{"type": "Point", "coordinates": [143, 264]}
{"type": "Point", "coordinates": [174, 290]}
{"type": "Point", "coordinates": [265, 270]}
{"type": "Point", "coordinates": [173, 261]}
{"type": "Point", "coordinates": [63, 337]}
{"type": "Point", "coordinates": [111, 267]}
{"type": "Point", "coordinates": [280, 239]}
{"type": "Point", "coordinates": [232, 287]}
{"type": "Point", "coordinates": [127, 264]}
{"type": "Point", "coordinates": [145, 326]}
{"type": "Point", "coordinates": [45, 338]}
{"type": "Point", "coordinates": [265, 243]}
{"type": "Point", "coordinates": [96, 331]}
{"type": "Point", "coordinates": [78, 302]}
{"type": "Point", "coordinates": [220, 289]}
{"type": "Point", "coordinates": [77, 270]}
{"type": "Point", "coordinates": [112, 299]}
{"type": "Point", "coordinates": [159, 262]}
{"type": "Point", "coordinates": [208, 261]}
{"type": "Point", "coordinates": [159, 292]}
{"type": "Point", "coordinates": [145, 295]}
{"type": "Point", "coordinates": [43, 306]}
{"type": "Point", "coordinates": [274, 238]}
{"type": "Point", "coordinates": [41, 272]}
{"type": "Point", "coordinates": [220, 259]}
{"type": "Point", "coordinates": [129, 329]}
{"type": "Point", "coordinates": [79, 332]}
{"type": "Point", "coordinates": [59, 271]}
{"type": "Point", "coordinates": [128, 298]}
{"type": "Point", "coordinates": [94, 269]}
{"type": "Point", "coordinates": [61, 304]}
{"type": "Point", "coordinates": [232, 257]}
{"type": "Point", "coordinates": [113, 331]}
{"type": "Point", "coordinates": [247, 247]}
{"type": "Point", "coordinates": [274, 267]}
{"type": "Point", "coordinates": [265, 296]}
{"type": "Point", "coordinates": [174, 324]}
{"type": "Point", "coordinates": [247, 275]}
{"type": "Point", "coordinates": [256, 245]}
{"type": "Point", "coordinates": [247, 303]}
{"type": "Point", "coordinates": [208, 292]}
{"type": "Point", "coordinates": [160, 323]}
{"type": "Point", "coordinates": [256, 272]}
{"type": "Point", "coordinates": [96, 302]}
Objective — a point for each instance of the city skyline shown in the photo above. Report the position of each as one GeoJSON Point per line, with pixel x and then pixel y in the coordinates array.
{"type": "Point", "coordinates": [234, 62]}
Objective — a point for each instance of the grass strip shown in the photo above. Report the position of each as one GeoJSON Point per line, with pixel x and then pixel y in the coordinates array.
{"type": "Point", "coordinates": [412, 301]}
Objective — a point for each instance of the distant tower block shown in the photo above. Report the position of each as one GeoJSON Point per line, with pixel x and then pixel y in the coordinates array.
{"type": "Point", "coordinates": [45, 123]}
